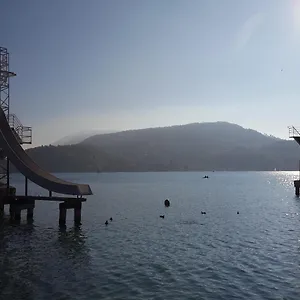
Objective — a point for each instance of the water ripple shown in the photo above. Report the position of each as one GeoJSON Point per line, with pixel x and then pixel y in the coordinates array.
{"type": "Point", "coordinates": [186, 255]}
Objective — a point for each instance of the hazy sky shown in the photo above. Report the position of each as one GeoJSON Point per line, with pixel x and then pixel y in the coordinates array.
{"type": "Point", "coordinates": [92, 64]}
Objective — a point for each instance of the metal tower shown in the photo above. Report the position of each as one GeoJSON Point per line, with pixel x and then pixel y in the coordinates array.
{"type": "Point", "coordinates": [5, 74]}
{"type": "Point", "coordinates": [22, 133]}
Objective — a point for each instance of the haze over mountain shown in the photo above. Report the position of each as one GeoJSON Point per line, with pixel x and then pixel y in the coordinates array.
{"type": "Point", "coordinates": [197, 146]}
{"type": "Point", "coordinates": [79, 137]}
{"type": "Point", "coordinates": [139, 64]}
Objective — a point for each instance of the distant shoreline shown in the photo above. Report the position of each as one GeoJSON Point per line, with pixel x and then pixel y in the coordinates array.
{"type": "Point", "coordinates": [179, 171]}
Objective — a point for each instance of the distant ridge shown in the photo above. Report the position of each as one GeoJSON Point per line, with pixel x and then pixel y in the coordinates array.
{"type": "Point", "coordinates": [197, 146]}
{"type": "Point", "coordinates": [79, 137]}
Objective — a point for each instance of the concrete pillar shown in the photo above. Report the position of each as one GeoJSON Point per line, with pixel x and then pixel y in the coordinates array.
{"type": "Point", "coordinates": [77, 214]}
{"type": "Point", "coordinates": [62, 214]}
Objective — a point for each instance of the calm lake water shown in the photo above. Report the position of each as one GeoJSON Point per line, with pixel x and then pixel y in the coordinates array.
{"type": "Point", "coordinates": [187, 255]}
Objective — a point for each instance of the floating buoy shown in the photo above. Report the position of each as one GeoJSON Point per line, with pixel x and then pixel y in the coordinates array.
{"type": "Point", "coordinates": [106, 223]}
{"type": "Point", "coordinates": [167, 203]}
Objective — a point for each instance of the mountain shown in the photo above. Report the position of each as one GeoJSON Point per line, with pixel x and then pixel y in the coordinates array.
{"type": "Point", "coordinates": [197, 146]}
{"type": "Point", "coordinates": [207, 137]}
{"type": "Point", "coordinates": [75, 158]}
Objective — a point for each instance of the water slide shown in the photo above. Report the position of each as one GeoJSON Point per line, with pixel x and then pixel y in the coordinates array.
{"type": "Point", "coordinates": [16, 154]}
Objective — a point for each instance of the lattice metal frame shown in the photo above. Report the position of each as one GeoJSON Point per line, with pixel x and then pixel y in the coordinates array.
{"type": "Point", "coordinates": [5, 74]}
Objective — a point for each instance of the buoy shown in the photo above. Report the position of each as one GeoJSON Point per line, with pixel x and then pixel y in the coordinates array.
{"type": "Point", "coordinates": [167, 203]}
{"type": "Point", "coordinates": [106, 222]}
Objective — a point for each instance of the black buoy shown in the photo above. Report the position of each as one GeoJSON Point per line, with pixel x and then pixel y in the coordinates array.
{"type": "Point", "coordinates": [106, 223]}
{"type": "Point", "coordinates": [167, 203]}
{"type": "Point", "coordinates": [238, 212]}
{"type": "Point", "coordinates": [110, 218]}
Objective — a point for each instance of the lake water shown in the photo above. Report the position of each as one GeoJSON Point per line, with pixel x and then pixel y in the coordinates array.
{"type": "Point", "coordinates": [187, 255]}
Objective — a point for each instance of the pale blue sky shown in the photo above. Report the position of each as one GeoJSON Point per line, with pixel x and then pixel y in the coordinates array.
{"type": "Point", "coordinates": [92, 64]}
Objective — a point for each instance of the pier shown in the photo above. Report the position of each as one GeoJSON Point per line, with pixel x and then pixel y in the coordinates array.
{"type": "Point", "coordinates": [18, 203]}
{"type": "Point", "coordinates": [12, 136]}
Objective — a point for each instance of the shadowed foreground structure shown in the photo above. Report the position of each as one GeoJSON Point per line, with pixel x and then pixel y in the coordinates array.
{"type": "Point", "coordinates": [12, 135]}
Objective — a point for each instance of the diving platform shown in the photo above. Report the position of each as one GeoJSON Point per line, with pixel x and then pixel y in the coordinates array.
{"type": "Point", "coordinates": [294, 132]}
{"type": "Point", "coordinates": [18, 203]}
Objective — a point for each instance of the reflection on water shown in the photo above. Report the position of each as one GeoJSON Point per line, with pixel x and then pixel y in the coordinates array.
{"type": "Point", "coordinates": [16, 261]}
{"type": "Point", "coordinates": [72, 243]}
{"type": "Point", "coordinates": [35, 262]}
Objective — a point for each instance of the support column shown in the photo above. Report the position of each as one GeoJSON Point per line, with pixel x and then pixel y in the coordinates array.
{"type": "Point", "coordinates": [7, 177]}
{"type": "Point", "coordinates": [17, 214]}
{"type": "Point", "coordinates": [2, 204]}
{"type": "Point", "coordinates": [30, 213]}
{"type": "Point", "coordinates": [11, 211]}
{"type": "Point", "coordinates": [297, 188]}
{"type": "Point", "coordinates": [77, 213]}
{"type": "Point", "coordinates": [26, 186]}
{"type": "Point", "coordinates": [62, 214]}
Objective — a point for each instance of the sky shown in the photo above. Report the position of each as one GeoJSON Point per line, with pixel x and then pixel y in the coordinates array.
{"type": "Point", "coordinates": [118, 65]}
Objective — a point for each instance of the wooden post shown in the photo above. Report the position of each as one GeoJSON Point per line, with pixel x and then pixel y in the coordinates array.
{"type": "Point", "coordinates": [62, 214]}
{"type": "Point", "coordinates": [77, 213]}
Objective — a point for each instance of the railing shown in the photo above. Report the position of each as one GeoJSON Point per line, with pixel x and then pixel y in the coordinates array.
{"type": "Point", "coordinates": [23, 132]}
{"type": "Point", "coordinates": [294, 132]}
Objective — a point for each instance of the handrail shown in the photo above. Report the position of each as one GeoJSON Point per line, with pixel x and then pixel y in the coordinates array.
{"type": "Point", "coordinates": [14, 122]}
{"type": "Point", "coordinates": [24, 132]}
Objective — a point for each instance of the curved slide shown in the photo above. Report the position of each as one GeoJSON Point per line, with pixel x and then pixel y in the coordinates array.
{"type": "Point", "coordinates": [16, 154]}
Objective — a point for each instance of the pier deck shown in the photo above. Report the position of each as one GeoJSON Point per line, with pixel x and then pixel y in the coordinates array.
{"type": "Point", "coordinates": [17, 203]}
